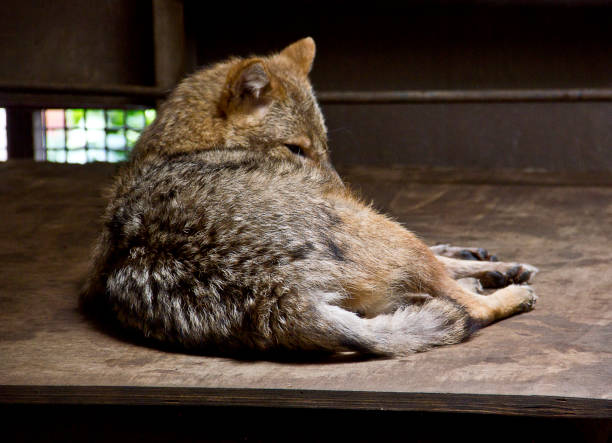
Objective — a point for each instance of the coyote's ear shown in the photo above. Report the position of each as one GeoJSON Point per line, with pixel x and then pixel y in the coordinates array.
{"type": "Point", "coordinates": [246, 85]}
{"type": "Point", "coordinates": [301, 53]}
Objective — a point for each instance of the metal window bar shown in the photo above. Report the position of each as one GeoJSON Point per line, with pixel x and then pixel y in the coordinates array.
{"type": "Point", "coordinates": [92, 134]}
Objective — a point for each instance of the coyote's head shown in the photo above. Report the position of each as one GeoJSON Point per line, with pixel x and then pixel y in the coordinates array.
{"type": "Point", "coordinates": [263, 103]}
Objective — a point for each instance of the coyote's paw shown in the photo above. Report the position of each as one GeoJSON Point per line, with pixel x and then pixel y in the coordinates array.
{"type": "Point", "coordinates": [528, 298]}
{"type": "Point", "coordinates": [512, 273]}
{"type": "Point", "coordinates": [514, 299]}
{"type": "Point", "coordinates": [463, 253]}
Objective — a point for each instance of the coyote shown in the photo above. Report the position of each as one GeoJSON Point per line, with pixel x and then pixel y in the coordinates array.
{"type": "Point", "coordinates": [229, 229]}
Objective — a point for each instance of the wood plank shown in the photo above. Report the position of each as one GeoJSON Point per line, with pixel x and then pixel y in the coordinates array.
{"type": "Point", "coordinates": [554, 361]}
{"type": "Point", "coordinates": [535, 406]}
{"type": "Point", "coordinates": [466, 96]}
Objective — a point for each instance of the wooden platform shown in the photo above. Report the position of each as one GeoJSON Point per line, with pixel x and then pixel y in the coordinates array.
{"type": "Point", "coordinates": [554, 361]}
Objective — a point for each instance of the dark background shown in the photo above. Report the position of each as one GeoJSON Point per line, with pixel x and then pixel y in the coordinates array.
{"type": "Point", "coordinates": [114, 52]}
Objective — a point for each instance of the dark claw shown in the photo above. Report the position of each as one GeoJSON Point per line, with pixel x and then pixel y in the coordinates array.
{"type": "Point", "coordinates": [513, 272]}
{"type": "Point", "coordinates": [480, 254]}
{"type": "Point", "coordinates": [468, 255]}
{"type": "Point", "coordinates": [494, 279]}
{"type": "Point", "coordinates": [523, 277]}
{"type": "Point", "coordinates": [518, 275]}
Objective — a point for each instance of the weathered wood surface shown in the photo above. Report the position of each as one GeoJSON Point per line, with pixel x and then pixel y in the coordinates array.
{"type": "Point", "coordinates": [556, 360]}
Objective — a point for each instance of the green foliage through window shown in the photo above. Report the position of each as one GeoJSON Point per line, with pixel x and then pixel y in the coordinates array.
{"type": "Point", "coordinates": [89, 135]}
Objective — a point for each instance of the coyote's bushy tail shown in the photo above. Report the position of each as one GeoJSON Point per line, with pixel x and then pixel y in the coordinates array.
{"type": "Point", "coordinates": [312, 321]}
{"type": "Point", "coordinates": [412, 328]}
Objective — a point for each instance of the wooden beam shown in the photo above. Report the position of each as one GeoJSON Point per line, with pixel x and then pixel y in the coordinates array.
{"type": "Point", "coordinates": [518, 405]}
{"type": "Point", "coordinates": [466, 96]}
{"type": "Point", "coordinates": [20, 132]}
{"type": "Point", "coordinates": [169, 40]}
{"type": "Point", "coordinates": [145, 93]}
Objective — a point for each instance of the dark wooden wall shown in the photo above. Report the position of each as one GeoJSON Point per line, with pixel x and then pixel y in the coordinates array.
{"type": "Point", "coordinates": [64, 41]}
{"type": "Point", "coordinates": [461, 47]}
{"type": "Point", "coordinates": [384, 46]}
{"type": "Point", "coordinates": [73, 43]}
{"type": "Point", "coordinates": [481, 83]}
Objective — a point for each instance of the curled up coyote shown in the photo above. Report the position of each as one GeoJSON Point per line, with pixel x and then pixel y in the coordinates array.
{"type": "Point", "coordinates": [229, 229]}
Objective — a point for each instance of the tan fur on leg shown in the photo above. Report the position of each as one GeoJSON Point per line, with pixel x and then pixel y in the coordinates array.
{"type": "Point", "coordinates": [490, 274]}
{"type": "Point", "coordinates": [485, 309]}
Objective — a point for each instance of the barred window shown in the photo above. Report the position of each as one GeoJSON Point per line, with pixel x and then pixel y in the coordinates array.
{"type": "Point", "coordinates": [89, 135]}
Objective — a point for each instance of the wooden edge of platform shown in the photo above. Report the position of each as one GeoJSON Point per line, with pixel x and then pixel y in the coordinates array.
{"type": "Point", "coordinates": [516, 405]}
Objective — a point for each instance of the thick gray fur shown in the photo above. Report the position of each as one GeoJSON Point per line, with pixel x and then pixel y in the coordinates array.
{"type": "Point", "coordinates": [232, 249]}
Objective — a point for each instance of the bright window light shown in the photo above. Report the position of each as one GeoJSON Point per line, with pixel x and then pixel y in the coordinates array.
{"type": "Point", "coordinates": [90, 135]}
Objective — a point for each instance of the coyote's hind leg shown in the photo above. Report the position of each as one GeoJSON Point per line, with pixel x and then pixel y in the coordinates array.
{"type": "Point", "coordinates": [485, 309]}
{"type": "Point", "coordinates": [463, 253]}
{"type": "Point", "coordinates": [490, 274]}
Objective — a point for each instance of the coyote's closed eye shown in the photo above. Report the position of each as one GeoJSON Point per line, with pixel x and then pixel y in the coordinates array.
{"type": "Point", "coordinates": [297, 150]}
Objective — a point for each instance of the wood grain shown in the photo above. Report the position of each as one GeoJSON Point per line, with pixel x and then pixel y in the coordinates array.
{"type": "Point", "coordinates": [536, 406]}
{"type": "Point", "coordinates": [555, 361]}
